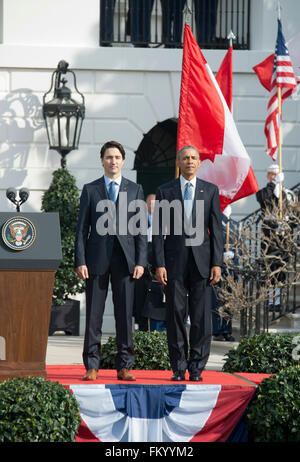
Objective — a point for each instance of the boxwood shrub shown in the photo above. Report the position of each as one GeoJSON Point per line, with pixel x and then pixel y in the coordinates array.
{"type": "Point", "coordinates": [33, 409]}
{"type": "Point", "coordinates": [261, 353]}
{"type": "Point", "coordinates": [151, 352]}
{"type": "Point", "coordinates": [62, 196]}
{"type": "Point", "coordinates": [273, 416]}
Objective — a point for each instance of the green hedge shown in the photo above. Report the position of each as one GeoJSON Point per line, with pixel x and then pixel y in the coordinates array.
{"type": "Point", "coordinates": [261, 353]}
{"type": "Point", "coordinates": [151, 352]}
{"type": "Point", "coordinates": [36, 410]}
{"type": "Point", "coordinates": [274, 415]}
{"type": "Point", "coordinates": [62, 196]}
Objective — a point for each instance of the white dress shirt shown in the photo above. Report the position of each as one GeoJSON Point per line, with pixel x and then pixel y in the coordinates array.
{"type": "Point", "coordinates": [116, 180]}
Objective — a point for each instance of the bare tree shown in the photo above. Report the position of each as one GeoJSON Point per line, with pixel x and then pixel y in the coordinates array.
{"type": "Point", "coordinates": [262, 262]}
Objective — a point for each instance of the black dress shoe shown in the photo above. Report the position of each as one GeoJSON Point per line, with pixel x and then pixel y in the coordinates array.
{"type": "Point", "coordinates": [178, 376]}
{"type": "Point", "coordinates": [141, 45]}
{"type": "Point", "coordinates": [219, 338]}
{"type": "Point", "coordinates": [228, 338]}
{"type": "Point", "coordinates": [195, 378]}
{"type": "Point", "coordinates": [275, 308]}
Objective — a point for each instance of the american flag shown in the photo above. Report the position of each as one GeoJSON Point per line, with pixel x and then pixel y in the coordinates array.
{"type": "Point", "coordinates": [283, 77]}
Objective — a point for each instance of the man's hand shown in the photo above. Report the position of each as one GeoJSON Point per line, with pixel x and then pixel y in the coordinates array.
{"type": "Point", "coordinates": [82, 272]}
{"type": "Point", "coordinates": [215, 275]}
{"type": "Point", "coordinates": [161, 275]}
{"type": "Point", "coordinates": [138, 272]}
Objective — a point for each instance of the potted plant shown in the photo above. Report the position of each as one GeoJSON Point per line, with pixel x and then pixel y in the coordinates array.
{"type": "Point", "coordinates": [62, 196]}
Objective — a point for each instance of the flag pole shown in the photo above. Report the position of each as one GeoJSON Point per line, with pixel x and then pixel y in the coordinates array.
{"type": "Point", "coordinates": [231, 37]}
{"type": "Point", "coordinates": [227, 213]}
{"type": "Point", "coordinates": [187, 15]}
{"type": "Point", "coordinates": [227, 235]}
{"type": "Point", "coordinates": [176, 170]}
{"type": "Point", "coordinates": [279, 148]}
{"type": "Point", "coordinates": [279, 130]}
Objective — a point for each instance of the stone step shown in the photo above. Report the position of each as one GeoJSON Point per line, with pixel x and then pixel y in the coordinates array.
{"type": "Point", "coordinates": [288, 321]}
{"type": "Point", "coordinates": [222, 347]}
{"type": "Point", "coordinates": [236, 330]}
{"type": "Point", "coordinates": [283, 330]}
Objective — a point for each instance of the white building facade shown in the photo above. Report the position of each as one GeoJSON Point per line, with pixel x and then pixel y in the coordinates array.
{"type": "Point", "coordinates": [127, 90]}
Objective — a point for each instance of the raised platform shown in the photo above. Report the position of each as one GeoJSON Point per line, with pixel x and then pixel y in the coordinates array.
{"type": "Point", "coordinates": [154, 409]}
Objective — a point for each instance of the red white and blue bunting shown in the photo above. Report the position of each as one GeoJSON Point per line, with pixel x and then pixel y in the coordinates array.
{"type": "Point", "coordinates": [161, 413]}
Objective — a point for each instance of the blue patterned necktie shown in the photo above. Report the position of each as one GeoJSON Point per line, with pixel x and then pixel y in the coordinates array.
{"type": "Point", "coordinates": [188, 202]}
{"type": "Point", "coordinates": [113, 191]}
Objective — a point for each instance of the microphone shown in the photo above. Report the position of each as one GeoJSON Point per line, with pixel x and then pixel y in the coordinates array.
{"type": "Point", "coordinates": [24, 194]}
{"type": "Point", "coordinates": [11, 194]}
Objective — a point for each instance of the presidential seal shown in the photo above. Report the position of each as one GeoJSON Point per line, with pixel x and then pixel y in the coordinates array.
{"type": "Point", "coordinates": [18, 233]}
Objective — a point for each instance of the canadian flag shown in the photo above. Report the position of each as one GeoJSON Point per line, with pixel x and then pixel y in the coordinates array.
{"type": "Point", "coordinates": [224, 77]}
{"type": "Point", "coordinates": [205, 121]}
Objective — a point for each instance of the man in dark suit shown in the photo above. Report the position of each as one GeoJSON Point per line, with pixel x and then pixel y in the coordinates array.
{"type": "Point", "coordinates": [104, 253]}
{"type": "Point", "coordinates": [187, 266]}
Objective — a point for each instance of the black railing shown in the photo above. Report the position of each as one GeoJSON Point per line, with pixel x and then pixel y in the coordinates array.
{"type": "Point", "coordinates": [258, 319]}
{"type": "Point", "coordinates": [159, 23]}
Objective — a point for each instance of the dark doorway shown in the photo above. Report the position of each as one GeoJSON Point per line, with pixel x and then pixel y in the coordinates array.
{"type": "Point", "coordinates": [155, 156]}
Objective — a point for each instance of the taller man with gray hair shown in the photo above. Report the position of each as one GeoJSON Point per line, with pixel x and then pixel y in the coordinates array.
{"type": "Point", "coordinates": [187, 262]}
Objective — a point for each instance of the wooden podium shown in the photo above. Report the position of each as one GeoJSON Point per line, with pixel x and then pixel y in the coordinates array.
{"type": "Point", "coordinates": [30, 253]}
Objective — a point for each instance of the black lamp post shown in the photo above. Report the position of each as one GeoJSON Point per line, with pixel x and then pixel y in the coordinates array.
{"type": "Point", "coordinates": [63, 115]}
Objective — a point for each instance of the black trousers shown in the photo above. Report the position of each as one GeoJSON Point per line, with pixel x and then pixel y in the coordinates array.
{"type": "Point", "coordinates": [172, 21]}
{"type": "Point", "coordinates": [122, 285]}
{"type": "Point", "coordinates": [192, 287]}
{"type": "Point", "coordinates": [107, 21]}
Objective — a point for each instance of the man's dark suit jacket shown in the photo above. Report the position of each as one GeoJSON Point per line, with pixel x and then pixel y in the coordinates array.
{"type": "Point", "coordinates": [94, 250]}
{"type": "Point", "coordinates": [170, 251]}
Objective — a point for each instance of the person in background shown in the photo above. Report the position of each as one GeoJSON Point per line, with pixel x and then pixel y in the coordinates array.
{"type": "Point", "coordinates": [222, 327]}
{"type": "Point", "coordinates": [268, 197]}
{"type": "Point", "coordinates": [107, 22]}
{"type": "Point", "coordinates": [140, 22]}
{"type": "Point", "coordinates": [154, 309]}
{"type": "Point", "coordinates": [143, 284]}
{"type": "Point", "coordinates": [206, 20]}
{"type": "Point", "coordinates": [172, 22]}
